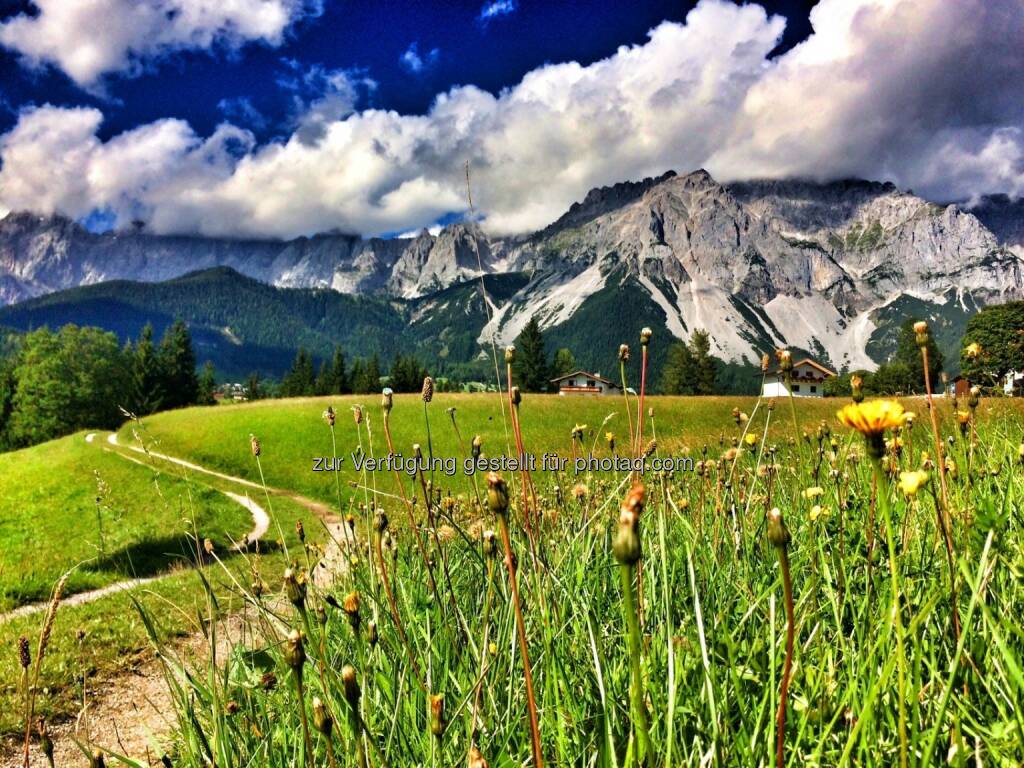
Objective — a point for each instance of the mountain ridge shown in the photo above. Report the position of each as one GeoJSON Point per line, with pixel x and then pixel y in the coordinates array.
{"type": "Point", "coordinates": [759, 264]}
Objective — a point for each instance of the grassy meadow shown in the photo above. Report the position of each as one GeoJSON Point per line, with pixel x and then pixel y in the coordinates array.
{"type": "Point", "coordinates": [564, 620]}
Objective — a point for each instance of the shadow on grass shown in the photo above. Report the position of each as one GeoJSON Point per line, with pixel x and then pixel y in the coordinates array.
{"type": "Point", "coordinates": [153, 557]}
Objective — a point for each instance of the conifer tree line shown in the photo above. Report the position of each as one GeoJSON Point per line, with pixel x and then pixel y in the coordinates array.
{"type": "Point", "coordinates": [335, 377]}
{"type": "Point", "coordinates": [53, 383]}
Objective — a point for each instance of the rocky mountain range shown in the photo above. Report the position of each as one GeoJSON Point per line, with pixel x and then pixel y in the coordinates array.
{"type": "Point", "coordinates": [825, 268]}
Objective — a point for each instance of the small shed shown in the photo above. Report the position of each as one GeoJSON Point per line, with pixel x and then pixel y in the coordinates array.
{"type": "Point", "coordinates": [585, 383]}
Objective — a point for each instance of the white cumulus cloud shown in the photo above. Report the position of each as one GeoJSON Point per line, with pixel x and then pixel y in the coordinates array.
{"type": "Point", "coordinates": [90, 38]}
{"type": "Point", "coordinates": [415, 62]}
{"type": "Point", "coordinates": [925, 93]}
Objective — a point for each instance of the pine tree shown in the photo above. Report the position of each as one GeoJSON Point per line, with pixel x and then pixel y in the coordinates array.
{"type": "Point", "coordinates": [531, 370]}
{"type": "Point", "coordinates": [254, 387]}
{"type": "Point", "coordinates": [178, 366]}
{"type": "Point", "coordinates": [300, 380]}
{"type": "Point", "coordinates": [339, 384]}
{"type": "Point", "coordinates": [323, 379]}
{"type": "Point", "coordinates": [147, 376]}
{"type": "Point", "coordinates": [207, 385]}
{"type": "Point", "coordinates": [371, 375]}
{"type": "Point", "coordinates": [679, 375]}
{"type": "Point", "coordinates": [705, 365]}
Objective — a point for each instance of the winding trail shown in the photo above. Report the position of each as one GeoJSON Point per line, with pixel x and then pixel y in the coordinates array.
{"type": "Point", "coordinates": [131, 712]}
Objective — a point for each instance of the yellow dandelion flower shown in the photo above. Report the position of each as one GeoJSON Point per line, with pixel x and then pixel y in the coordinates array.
{"type": "Point", "coordinates": [873, 417]}
{"type": "Point", "coordinates": [750, 439]}
{"type": "Point", "coordinates": [973, 351]}
{"type": "Point", "coordinates": [813, 492]}
{"type": "Point", "coordinates": [911, 482]}
{"type": "Point", "coordinates": [817, 511]}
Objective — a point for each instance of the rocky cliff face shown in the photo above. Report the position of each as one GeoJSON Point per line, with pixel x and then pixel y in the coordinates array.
{"type": "Point", "coordinates": [757, 264]}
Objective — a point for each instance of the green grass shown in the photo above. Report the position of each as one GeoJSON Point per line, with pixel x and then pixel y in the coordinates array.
{"type": "Point", "coordinates": [69, 503]}
{"type": "Point", "coordinates": [712, 625]}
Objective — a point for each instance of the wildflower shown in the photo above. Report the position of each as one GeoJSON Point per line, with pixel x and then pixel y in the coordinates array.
{"type": "Point", "coordinates": [577, 432]}
{"type": "Point", "coordinates": [911, 482]}
{"type": "Point", "coordinates": [497, 494]}
{"type": "Point", "coordinates": [350, 604]}
{"type": "Point", "coordinates": [973, 351]}
{"type": "Point", "coordinates": [1020, 453]}
{"type": "Point", "coordinates": [295, 588]}
{"type": "Point", "coordinates": [817, 511]}
{"type": "Point", "coordinates": [322, 718]}
{"type": "Point", "coordinates": [295, 651]}
{"type": "Point", "coordinates": [254, 444]}
{"type": "Point", "coordinates": [609, 438]}
{"type": "Point", "coordinates": [357, 414]}
{"type": "Point", "coordinates": [649, 450]}
{"type": "Point", "coordinates": [490, 547]}
{"type": "Point", "coordinates": [475, 759]}
{"type": "Point", "coordinates": [510, 353]}
{"type": "Point", "coordinates": [386, 399]}
{"type": "Point", "coordinates": [97, 761]}
{"type": "Point", "coordinates": [645, 336]}
{"type": "Point", "coordinates": [351, 684]}
{"type": "Point", "coordinates": [475, 446]}
{"type": "Point", "coordinates": [626, 546]}
{"type": "Point", "coordinates": [300, 531]}
{"type": "Point", "coordinates": [736, 415]}
{"type": "Point", "coordinates": [24, 654]}
{"type": "Point", "coordinates": [623, 352]}
{"type": "Point", "coordinates": [963, 418]}
{"type": "Point", "coordinates": [813, 492]}
{"type": "Point", "coordinates": [580, 491]}
{"type": "Point", "coordinates": [329, 416]}
{"type": "Point", "coordinates": [428, 390]}
{"type": "Point", "coordinates": [856, 388]}
{"type": "Point", "coordinates": [437, 719]}
{"type": "Point", "coordinates": [515, 396]}
{"type": "Point", "coordinates": [973, 397]}
{"type": "Point", "coordinates": [921, 333]}
{"type": "Point", "coordinates": [785, 360]}
{"type": "Point", "coordinates": [872, 419]}
{"type": "Point", "coordinates": [372, 636]}
{"type": "Point", "coordinates": [951, 467]}
{"type": "Point", "coordinates": [765, 363]}
{"type": "Point", "coordinates": [926, 460]}
{"type": "Point", "coordinates": [750, 439]}
{"type": "Point", "coordinates": [778, 533]}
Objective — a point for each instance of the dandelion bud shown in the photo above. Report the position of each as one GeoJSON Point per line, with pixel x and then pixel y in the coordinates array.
{"type": "Point", "coordinates": [856, 388]}
{"type": "Point", "coordinates": [497, 494]}
{"type": "Point", "coordinates": [921, 333]}
{"type": "Point", "coordinates": [766, 363]}
{"type": "Point", "coordinates": [386, 399]}
{"type": "Point", "coordinates": [490, 548]}
{"type": "Point", "coordinates": [475, 759]}
{"type": "Point", "coordinates": [208, 546]}
{"type": "Point", "coordinates": [329, 416]}
{"type": "Point", "coordinates": [515, 396]}
{"type": "Point", "coordinates": [254, 444]}
{"type": "Point", "coordinates": [437, 722]}
{"type": "Point", "coordinates": [645, 336]}
{"type": "Point", "coordinates": [623, 352]}
{"type": "Point", "coordinates": [321, 615]}
{"type": "Point", "coordinates": [300, 531]}
{"type": "Point", "coordinates": [626, 546]}
{"type": "Point", "coordinates": [232, 707]}
{"type": "Point", "coordinates": [778, 533]}
{"type": "Point", "coordinates": [475, 447]}
{"type": "Point", "coordinates": [350, 604]}
{"type": "Point", "coordinates": [268, 681]}
{"type": "Point", "coordinates": [911, 482]}
{"type": "Point", "coordinates": [372, 636]}
{"type": "Point", "coordinates": [357, 414]}
{"type": "Point", "coordinates": [322, 719]}
{"type": "Point", "coordinates": [649, 450]}
{"type": "Point", "coordinates": [736, 415]}
{"type": "Point", "coordinates": [351, 684]}
{"type": "Point", "coordinates": [380, 521]}
{"type": "Point", "coordinates": [610, 439]}
{"type": "Point", "coordinates": [295, 651]}
{"type": "Point", "coordinates": [417, 452]}
{"type": "Point", "coordinates": [350, 521]}
{"type": "Point", "coordinates": [24, 654]}
{"type": "Point", "coordinates": [428, 390]}
{"type": "Point", "coordinates": [295, 588]}
{"type": "Point", "coordinates": [785, 360]}
{"type": "Point", "coordinates": [97, 761]}
{"type": "Point", "coordinates": [510, 353]}
{"type": "Point", "coordinates": [973, 396]}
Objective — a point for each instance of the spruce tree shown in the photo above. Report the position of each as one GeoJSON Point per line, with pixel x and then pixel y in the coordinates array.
{"type": "Point", "coordinates": [339, 383]}
{"type": "Point", "coordinates": [679, 375]}
{"type": "Point", "coordinates": [147, 375]}
{"type": "Point", "coordinates": [300, 380]}
{"type": "Point", "coordinates": [207, 385]}
{"type": "Point", "coordinates": [705, 365]}
{"type": "Point", "coordinates": [531, 369]}
{"type": "Point", "coordinates": [178, 366]}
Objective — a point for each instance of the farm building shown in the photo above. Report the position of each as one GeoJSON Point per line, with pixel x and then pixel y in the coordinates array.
{"type": "Point", "coordinates": [583, 383]}
{"type": "Point", "coordinates": [807, 378]}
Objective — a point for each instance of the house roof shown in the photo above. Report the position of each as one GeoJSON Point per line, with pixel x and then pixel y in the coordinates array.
{"type": "Point", "coordinates": [586, 374]}
{"type": "Point", "coordinates": [806, 361]}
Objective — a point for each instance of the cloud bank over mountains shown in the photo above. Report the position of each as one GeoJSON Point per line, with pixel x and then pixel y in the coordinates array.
{"type": "Point", "coordinates": [925, 93]}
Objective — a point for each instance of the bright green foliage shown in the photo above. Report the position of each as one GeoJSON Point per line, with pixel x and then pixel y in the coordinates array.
{"type": "Point", "coordinates": [366, 375]}
{"type": "Point", "coordinates": [690, 369]}
{"type": "Point", "coordinates": [207, 385]}
{"type": "Point", "coordinates": [299, 381]}
{"type": "Point", "coordinates": [147, 379]}
{"type": "Point", "coordinates": [406, 374]}
{"type": "Point", "coordinates": [178, 367]}
{"type": "Point", "coordinates": [564, 363]}
{"type": "Point", "coordinates": [530, 369]}
{"type": "Point", "coordinates": [999, 330]}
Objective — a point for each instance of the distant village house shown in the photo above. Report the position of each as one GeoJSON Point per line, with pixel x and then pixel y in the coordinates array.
{"type": "Point", "coordinates": [807, 380]}
{"type": "Point", "coordinates": [583, 383]}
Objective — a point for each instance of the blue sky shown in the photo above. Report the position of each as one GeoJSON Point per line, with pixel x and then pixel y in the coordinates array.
{"type": "Point", "coordinates": [278, 118]}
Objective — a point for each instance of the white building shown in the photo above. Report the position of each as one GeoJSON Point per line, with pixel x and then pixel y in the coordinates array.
{"type": "Point", "coordinates": [583, 383]}
{"type": "Point", "coordinates": [807, 377]}
{"type": "Point", "coordinates": [1013, 383]}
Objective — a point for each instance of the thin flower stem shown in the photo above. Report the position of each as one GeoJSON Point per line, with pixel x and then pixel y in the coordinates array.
{"type": "Point", "coordinates": [636, 691]}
